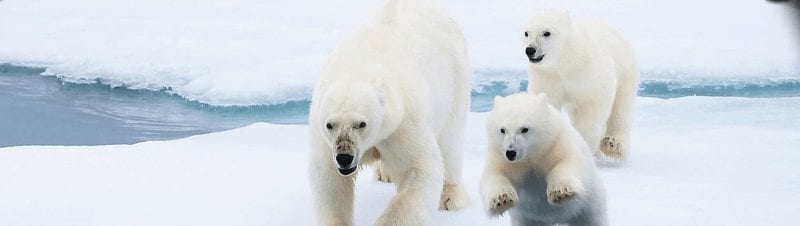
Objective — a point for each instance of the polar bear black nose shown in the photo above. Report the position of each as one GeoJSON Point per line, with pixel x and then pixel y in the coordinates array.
{"type": "Point", "coordinates": [511, 155]}
{"type": "Point", "coordinates": [344, 160]}
{"type": "Point", "coordinates": [530, 51]}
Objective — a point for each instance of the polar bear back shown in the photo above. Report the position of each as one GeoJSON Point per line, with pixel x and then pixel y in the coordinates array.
{"type": "Point", "coordinates": [437, 49]}
{"type": "Point", "coordinates": [414, 49]}
{"type": "Point", "coordinates": [608, 42]}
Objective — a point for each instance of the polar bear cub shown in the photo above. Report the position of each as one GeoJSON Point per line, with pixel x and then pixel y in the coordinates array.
{"type": "Point", "coordinates": [539, 168]}
{"type": "Point", "coordinates": [588, 69]}
{"type": "Point", "coordinates": [398, 92]}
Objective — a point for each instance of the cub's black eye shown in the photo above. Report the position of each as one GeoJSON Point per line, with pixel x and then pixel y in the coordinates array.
{"type": "Point", "coordinates": [526, 34]}
{"type": "Point", "coordinates": [503, 131]}
{"type": "Point", "coordinates": [329, 125]}
{"type": "Point", "coordinates": [362, 125]}
{"type": "Point", "coordinates": [546, 34]}
{"type": "Point", "coordinates": [524, 130]}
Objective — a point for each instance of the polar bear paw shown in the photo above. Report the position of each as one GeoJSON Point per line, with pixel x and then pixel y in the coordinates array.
{"type": "Point", "coordinates": [381, 174]}
{"type": "Point", "coordinates": [453, 198]}
{"type": "Point", "coordinates": [559, 194]}
{"type": "Point", "coordinates": [611, 147]}
{"type": "Point", "coordinates": [500, 202]}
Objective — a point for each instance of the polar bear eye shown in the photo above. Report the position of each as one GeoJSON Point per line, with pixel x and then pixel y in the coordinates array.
{"type": "Point", "coordinates": [503, 131]}
{"type": "Point", "coordinates": [524, 130]}
{"type": "Point", "coordinates": [329, 125]}
{"type": "Point", "coordinates": [526, 34]}
{"type": "Point", "coordinates": [546, 34]}
{"type": "Point", "coordinates": [362, 125]}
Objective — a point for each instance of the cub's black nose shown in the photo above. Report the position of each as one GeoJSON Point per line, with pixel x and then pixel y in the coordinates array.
{"type": "Point", "coordinates": [511, 155]}
{"type": "Point", "coordinates": [530, 51]}
{"type": "Point", "coordinates": [344, 160]}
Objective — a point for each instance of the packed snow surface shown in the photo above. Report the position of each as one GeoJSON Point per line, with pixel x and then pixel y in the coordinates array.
{"type": "Point", "coordinates": [695, 161]}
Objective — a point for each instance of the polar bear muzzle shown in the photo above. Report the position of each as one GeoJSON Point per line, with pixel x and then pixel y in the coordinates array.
{"type": "Point", "coordinates": [345, 164]}
{"type": "Point", "coordinates": [345, 154]}
{"type": "Point", "coordinates": [530, 51]}
{"type": "Point", "coordinates": [511, 155]}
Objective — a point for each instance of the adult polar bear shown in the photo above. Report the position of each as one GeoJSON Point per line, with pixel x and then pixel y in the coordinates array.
{"type": "Point", "coordinates": [588, 69]}
{"type": "Point", "coordinates": [398, 91]}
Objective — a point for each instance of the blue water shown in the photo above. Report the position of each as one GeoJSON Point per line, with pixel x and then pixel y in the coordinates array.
{"type": "Point", "coordinates": [45, 110]}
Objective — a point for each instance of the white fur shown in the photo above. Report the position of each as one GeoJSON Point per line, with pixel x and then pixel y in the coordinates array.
{"type": "Point", "coordinates": [553, 179]}
{"type": "Point", "coordinates": [589, 70]}
{"type": "Point", "coordinates": [405, 75]}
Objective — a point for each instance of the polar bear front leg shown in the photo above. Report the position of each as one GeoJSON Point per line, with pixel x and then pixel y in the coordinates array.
{"type": "Point", "coordinates": [497, 193]}
{"type": "Point", "coordinates": [414, 199]}
{"type": "Point", "coordinates": [451, 144]}
{"type": "Point", "coordinates": [415, 165]}
{"type": "Point", "coordinates": [564, 181]}
{"type": "Point", "coordinates": [333, 193]}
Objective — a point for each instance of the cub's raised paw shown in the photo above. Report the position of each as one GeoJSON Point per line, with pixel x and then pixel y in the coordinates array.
{"type": "Point", "coordinates": [453, 198]}
{"type": "Point", "coordinates": [611, 147]}
{"type": "Point", "coordinates": [560, 194]}
{"type": "Point", "coordinates": [501, 202]}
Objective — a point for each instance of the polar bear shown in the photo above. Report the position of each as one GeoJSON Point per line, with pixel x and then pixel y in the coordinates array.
{"type": "Point", "coordinates": [539, 168]}
{"type": "Point", "coordinates": [398, 92]}
{"type": "Point", "coordinates": [589, 70]}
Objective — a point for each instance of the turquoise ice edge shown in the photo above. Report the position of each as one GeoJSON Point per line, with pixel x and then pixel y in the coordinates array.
{"type": "Point", "coordinates": [49, 110]}
{"type": "Point", "coordinates": [771, 86]}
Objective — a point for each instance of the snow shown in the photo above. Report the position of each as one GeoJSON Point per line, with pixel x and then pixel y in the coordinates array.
{"type": "Point", "coordinates": [244, 52]}
{"type": "Point", "coordinates": [696, 161]}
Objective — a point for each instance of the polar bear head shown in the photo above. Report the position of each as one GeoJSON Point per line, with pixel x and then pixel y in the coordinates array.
{"type": "Point", "coordinates": [545, 34]}
{"type": "Point", "coordinates": [520, 124]}
{"type": "Point", "coordinates": [350, 116]}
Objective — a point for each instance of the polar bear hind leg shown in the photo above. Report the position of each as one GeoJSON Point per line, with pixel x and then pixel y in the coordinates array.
{"type": "Point", "coordinates": [590, 121]}
{"type": "Point", "coordinates": [522, 221]}
{"type": "Point", "coordinates": [590, 217]}
{"type": "Point", "coordinates": [380, 172]}
{"type": "Point", "coordinates": [617, 139]}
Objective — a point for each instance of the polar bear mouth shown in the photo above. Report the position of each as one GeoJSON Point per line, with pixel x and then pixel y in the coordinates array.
{"type": "Point", "coordinates": [347, 171]}
{"type": "Point", "coordinates": [536, 59]}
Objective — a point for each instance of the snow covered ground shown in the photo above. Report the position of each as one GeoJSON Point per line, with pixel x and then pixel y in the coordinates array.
{"type": "Point", "coordinates": [696, 161]}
